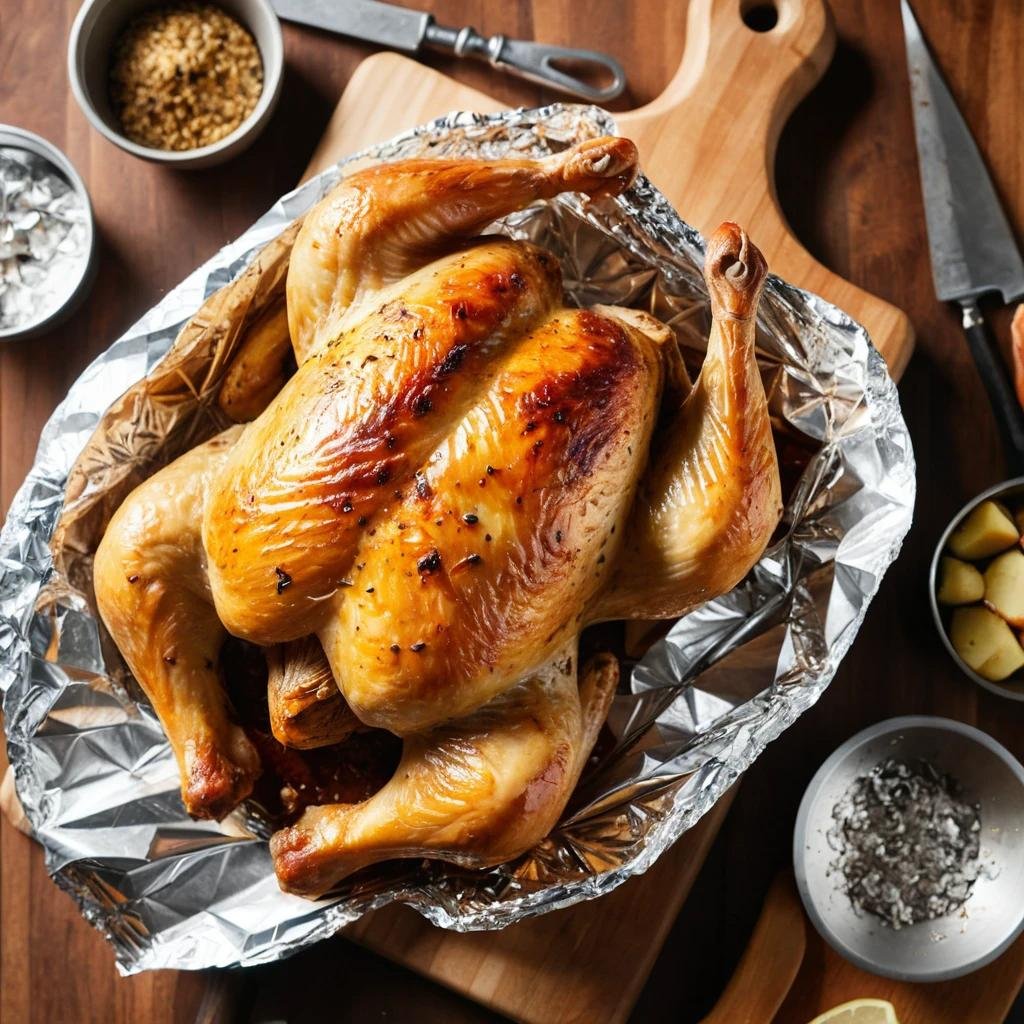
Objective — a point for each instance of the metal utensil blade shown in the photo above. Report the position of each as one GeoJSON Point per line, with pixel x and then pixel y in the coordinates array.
{"type": "Point", "coordinates": [383, 24]}
{"type": "Point", "coordinates": [972, 248]}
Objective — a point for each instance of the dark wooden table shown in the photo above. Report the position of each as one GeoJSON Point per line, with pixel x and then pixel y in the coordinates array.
{"type": "Point", "coordinates": [848, 180]}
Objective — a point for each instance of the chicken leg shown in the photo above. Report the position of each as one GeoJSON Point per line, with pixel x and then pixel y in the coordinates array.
{"type": "Point", "coordinates": [476, 791]}
{"type": "Point", "coordinates": [153, 597]}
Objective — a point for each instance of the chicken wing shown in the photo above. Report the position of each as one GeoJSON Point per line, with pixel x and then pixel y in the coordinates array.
{"type": "Point", "coordinates": [380, 225]}
{"type": "Point", "coordinates": [711, 499]}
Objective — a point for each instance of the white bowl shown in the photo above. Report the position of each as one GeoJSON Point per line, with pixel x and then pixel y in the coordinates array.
{"type": "Point", "coordinates": [993, 914]}
{"type": "Point", "coordinates": [96, 28]}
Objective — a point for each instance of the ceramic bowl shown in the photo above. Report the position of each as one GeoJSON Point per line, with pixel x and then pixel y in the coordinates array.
{"type": "Point", "coordinates": [95, 30]}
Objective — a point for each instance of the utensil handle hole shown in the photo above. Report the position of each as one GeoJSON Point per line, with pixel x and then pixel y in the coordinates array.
{"type": "Point", "coordinates": [760, 17]}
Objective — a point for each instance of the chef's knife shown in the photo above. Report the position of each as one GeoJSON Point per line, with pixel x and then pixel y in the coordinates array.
{"type": "Point", "coordinates": [402, 28]}
{"type": "Point", "coordinates": [972, 247]}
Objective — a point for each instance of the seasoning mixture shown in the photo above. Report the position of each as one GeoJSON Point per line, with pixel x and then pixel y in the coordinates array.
{"type": "Point", "coordinates": [184, 76]}
{"type": "Point", "coordinates": [43, 239]}
{"type": "Point", "coordinates": [907, 843]}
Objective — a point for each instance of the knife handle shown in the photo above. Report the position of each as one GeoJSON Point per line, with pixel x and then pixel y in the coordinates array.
{"type": "Point", "coordinates": [536, 62]}
{"type": "Point", "coordinates": [1005, 406]}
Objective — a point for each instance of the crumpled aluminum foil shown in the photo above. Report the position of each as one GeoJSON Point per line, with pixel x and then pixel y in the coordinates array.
{"type": "Point", "coordinates": [44, 228]}
{"type": "Point", "coordinates": [95, 773]}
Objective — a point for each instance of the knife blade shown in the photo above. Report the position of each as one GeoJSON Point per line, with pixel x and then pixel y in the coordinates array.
{"type": "Point", "coordinates": [403, 28]}
{"type": "Point", "coordinates": [970, 243]}
{"type": "Point", "coordinates": [384, 24]}
{"type": "Point", "coordinates": [973, 250]}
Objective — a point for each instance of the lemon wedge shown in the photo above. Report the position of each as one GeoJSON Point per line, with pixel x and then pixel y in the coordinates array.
{"type": "Point", "coordinates": [859, 1011]}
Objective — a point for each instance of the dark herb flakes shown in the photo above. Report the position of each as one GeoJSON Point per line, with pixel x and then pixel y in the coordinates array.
{"type": "Point", "coordinates": [907, 843]}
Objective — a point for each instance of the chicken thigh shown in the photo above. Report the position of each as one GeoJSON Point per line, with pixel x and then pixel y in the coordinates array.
{"type": "Point", "coordinates": [475, 791]}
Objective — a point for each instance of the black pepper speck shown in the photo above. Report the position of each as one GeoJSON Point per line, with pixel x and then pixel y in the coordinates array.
{"type": "Point", "coordinates": [430, 562]}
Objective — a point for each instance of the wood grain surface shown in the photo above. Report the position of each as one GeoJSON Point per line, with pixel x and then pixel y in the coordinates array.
{"type": "Point", "coordinates": [718, 119]}
{"type": "Point", "coordinates": [847, 181]}
{"type": "Point", "coordinates": [789, 973]}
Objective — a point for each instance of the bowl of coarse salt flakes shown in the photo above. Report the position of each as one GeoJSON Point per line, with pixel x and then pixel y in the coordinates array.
{"type": "Point", "coordinates": [909, 849]}
{"type": "Point", "coordinates": [187, 84]}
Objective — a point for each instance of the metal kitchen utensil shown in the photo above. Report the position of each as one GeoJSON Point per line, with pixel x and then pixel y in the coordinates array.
{"type": "Point", "coordinates": [993, 915]}
{"type": "Point", "coordinates": [972, 248]}
{"type": "Point", "coordinates": [70, 286]}
{"type": "Point", "coordinates": [1008, 492]}
{"type": "Point", "coordinates": [405, 29]}
{"type": "Point", "coordinates": [91, 41]}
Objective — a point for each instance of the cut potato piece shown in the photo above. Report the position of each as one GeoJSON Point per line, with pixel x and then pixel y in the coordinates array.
{"type": "Point", "coordinates": [959, 582]}
{"type": "Point", "coordinates": [986, 643]}
{"type": "Point", "coordinates": [1004, 586]}
{"type": "Point", "coordinates": [1003, 663]}
{"type": "Point", "coordinates": [986, 531]}
{"type": "Point", "coordinates": [1018, 518]}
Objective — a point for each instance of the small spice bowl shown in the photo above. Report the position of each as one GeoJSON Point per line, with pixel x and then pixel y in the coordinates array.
{"type": "Point", "coordinates": [1010, 492]}
{"type": "Point", "coordinates": [90, 48]}
{"type": "Point", "coordinates": [993, 914]}
{"type": "Point", "coordinates": [77, 281]}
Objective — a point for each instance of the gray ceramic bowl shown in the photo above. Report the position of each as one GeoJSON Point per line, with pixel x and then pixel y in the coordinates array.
{"type": "Point", "coordinates": [93, 34]}
{"type": "Point", "coordinates": [993, 915]}
{"type": "Point", "coordinates": [1011, 491]}
{"type": "Point", "coordinates": [19, 138]}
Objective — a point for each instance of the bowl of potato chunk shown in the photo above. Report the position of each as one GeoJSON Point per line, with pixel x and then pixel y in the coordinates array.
{"type": "Point", "coordinates": [977, 589]}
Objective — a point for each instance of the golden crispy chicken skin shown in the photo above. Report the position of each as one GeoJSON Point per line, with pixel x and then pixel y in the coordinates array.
{"type": "Point", "coordinates": [462, 474]}
{"type": "Point", "coordinates": [486, 564]}
{"type": "Point", "coordinates": [153, 596]}
{"type": "Point", "coordinates": [711, 498]}
{"type": "Point", "coordinates": [477, 791]}
{"type": "Point", "coordinates": [435, 491]}
{"type": "Point", "coordinates": [352, 427]}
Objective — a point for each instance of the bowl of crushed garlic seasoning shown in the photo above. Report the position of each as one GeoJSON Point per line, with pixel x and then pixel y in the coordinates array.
{"type": "Point", "coordinates": [185, 82]}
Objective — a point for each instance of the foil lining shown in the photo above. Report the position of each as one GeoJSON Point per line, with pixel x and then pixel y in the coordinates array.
{"type": "Point", "coordinates": [44, 238]}
{"type": "Point", "coordinates": [92, 766]}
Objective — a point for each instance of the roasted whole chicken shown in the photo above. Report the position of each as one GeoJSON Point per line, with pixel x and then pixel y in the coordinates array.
{"type": "Point", "coordinates": [462, 474]}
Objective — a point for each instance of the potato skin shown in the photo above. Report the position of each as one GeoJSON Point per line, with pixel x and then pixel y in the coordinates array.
{"type": "Point", "coordinates": [1004, 586]}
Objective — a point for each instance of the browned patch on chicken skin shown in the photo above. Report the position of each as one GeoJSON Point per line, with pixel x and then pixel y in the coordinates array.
{"type": "Point", "coordinates": [346, 435]}
{"type": "Point", "coordinates": [441, 611]}
{"type": "Point", "coordinates": [215, 785]}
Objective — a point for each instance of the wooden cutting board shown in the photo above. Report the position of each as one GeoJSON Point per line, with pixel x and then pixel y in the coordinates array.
{"type": "Point", "coordinates": [708, 142]}
{"type": "Point", "coordinates": [789, 974]}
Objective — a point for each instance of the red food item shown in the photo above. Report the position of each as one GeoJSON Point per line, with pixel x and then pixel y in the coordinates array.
{"type": "Point", "coordinates": [1017, 344]}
